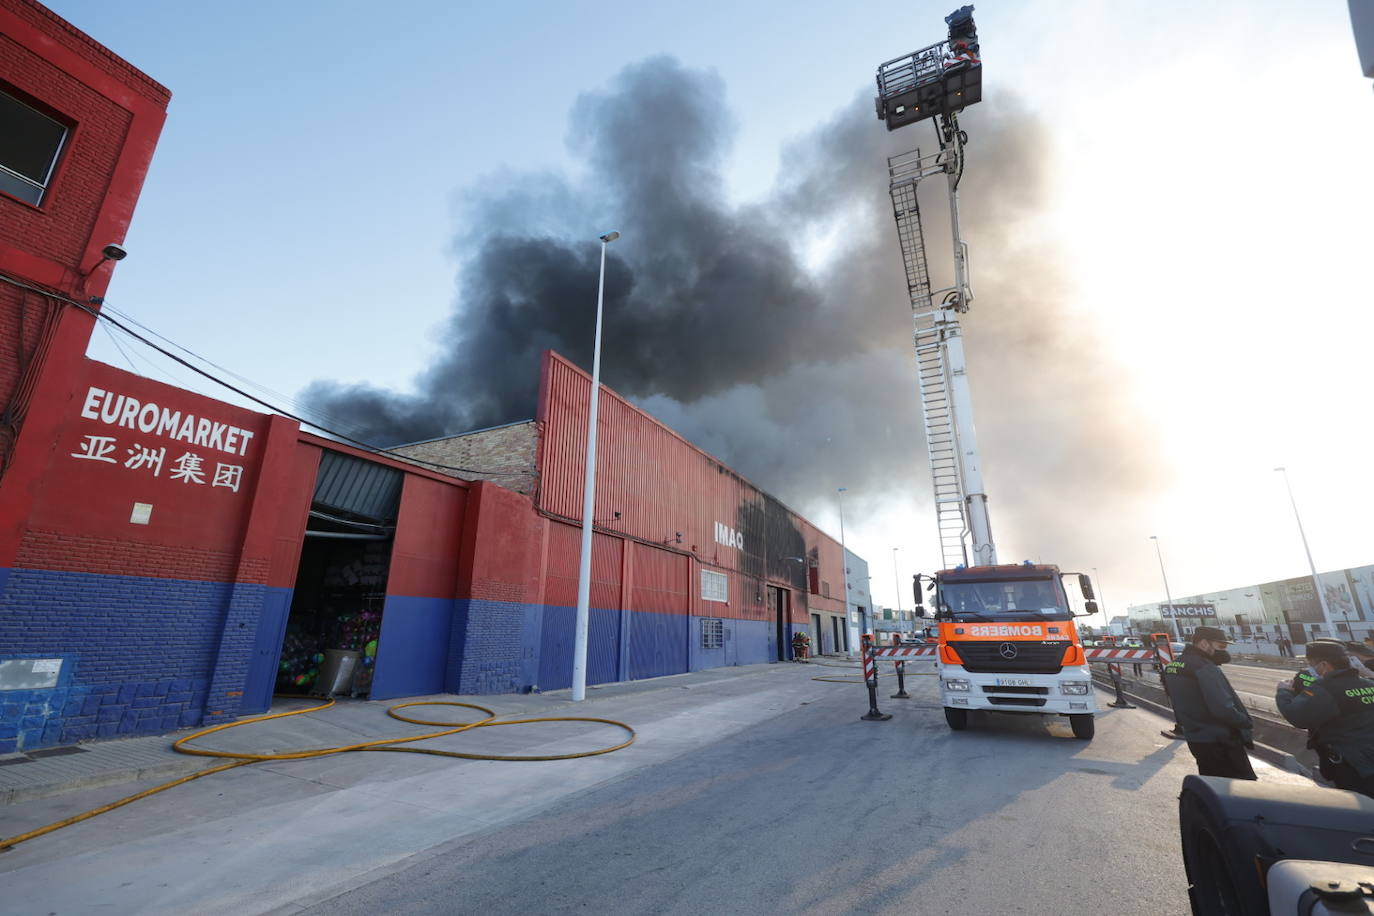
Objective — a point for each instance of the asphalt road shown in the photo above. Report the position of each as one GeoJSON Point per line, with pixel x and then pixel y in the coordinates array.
{"type": "Point", "coordinates": [815, 811]}
{"type": "Point", "coordinates": [746, 792]}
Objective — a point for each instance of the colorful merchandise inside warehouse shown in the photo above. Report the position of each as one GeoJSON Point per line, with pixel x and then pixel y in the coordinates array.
{"type": "Point", "coordinates": [168, 559]}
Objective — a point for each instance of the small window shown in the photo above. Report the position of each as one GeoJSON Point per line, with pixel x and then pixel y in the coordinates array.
{"type": "Point", "coordinates": [712, 633]}
{"type": "Point", "coordinates": [30, 143]}
{"type": "Point", "coordinates": [714, 587]}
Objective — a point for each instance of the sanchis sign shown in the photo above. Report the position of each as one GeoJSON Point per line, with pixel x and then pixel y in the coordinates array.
{"type": "Point", "coordinates": [1006, 629]}
{"type": "Point", "coordinates": [131, 413]}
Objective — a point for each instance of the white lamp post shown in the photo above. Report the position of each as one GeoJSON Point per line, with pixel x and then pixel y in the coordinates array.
{"type": "Point", "coordinates": [844, 560]}
{"type": "Point", "coordinates": [1102, 598]}
{"type": "Point", "coordinates": [1316, 583]}
{"type": "Point", "coordinates": [1178, 633]}
{"type": "Point", "coordinates": [897, 581]}
{"type": "Point", "coordinates": [584, 570]}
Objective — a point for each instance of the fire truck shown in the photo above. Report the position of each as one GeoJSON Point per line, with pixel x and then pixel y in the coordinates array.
{"type": "Point", "coordinates": [1007, 643]}
{"type": "Point", "coordinates": [1007, 640]}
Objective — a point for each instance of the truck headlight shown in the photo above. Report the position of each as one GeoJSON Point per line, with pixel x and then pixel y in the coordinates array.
{"type": "Point", "coordinates": [1074, 688]}
{"type": "Point", "coordinates": [956, 683]}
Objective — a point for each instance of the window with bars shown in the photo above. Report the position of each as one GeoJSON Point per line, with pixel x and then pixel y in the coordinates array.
{"type": "Point", "coordinates": [712, 633]}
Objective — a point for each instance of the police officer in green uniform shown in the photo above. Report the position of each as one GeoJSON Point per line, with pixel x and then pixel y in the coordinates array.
{"type": "Point", "coordinates": [1338, 710]}
{"type": "Point", "coordinates": [1212, 718]}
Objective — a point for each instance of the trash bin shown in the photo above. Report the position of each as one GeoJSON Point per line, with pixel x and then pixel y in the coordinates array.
{"type": "Point", "coordinates": [336, 673]}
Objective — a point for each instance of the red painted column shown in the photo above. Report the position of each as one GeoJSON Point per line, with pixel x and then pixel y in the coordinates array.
{"type": "Point", "coordinates": [276, 480]}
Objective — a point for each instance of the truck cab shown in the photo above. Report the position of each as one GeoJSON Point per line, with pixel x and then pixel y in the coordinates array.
{"type": "Point", "coordinates": [1007, 643]}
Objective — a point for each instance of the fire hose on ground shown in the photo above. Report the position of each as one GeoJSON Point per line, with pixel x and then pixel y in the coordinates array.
{"type": "Point", "coordinates": [181, 745]}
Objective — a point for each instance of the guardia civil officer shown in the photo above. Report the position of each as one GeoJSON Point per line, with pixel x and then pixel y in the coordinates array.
{"type": "Point", "coordinates": [1213, 720]}
{"type": "Point", "coordinates": [1337, 708]}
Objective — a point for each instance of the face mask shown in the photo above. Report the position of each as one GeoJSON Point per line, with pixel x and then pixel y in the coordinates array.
{"type": "Point", "coordinates": [1311, 672]}
{"type": "Point", "coordinates": [1221, 656]}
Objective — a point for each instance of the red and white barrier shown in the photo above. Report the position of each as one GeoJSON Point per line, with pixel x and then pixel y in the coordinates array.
{"type": "Point", "coordinates": [1119, 655]}
{"type": "Point", "coordinates": [902, 653]}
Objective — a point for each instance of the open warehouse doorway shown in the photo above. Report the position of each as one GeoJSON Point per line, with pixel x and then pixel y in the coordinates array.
{"type": "Point", "coordinates": [331, 634]}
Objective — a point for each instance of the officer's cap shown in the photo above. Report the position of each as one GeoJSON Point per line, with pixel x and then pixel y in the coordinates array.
{"type": "Point", "coordinates": [1212, 633]}
{"type": "Point", "coordinates": [1326, 651]}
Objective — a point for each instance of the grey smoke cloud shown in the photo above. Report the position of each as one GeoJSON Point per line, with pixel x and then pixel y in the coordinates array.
{"type": "Point", "coordinates": [715, 324]}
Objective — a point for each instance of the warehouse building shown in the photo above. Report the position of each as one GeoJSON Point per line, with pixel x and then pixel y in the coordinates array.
{"type": "Point", "coordinates": [168, 559]}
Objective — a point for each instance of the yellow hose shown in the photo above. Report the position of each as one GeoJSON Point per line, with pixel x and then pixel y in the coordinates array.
{"type": "Point", "coordinates": [384, 744]}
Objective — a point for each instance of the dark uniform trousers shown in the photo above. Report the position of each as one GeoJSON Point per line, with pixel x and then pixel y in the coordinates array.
{"type": "Point", "coordinates": [1222, 758]}
{"type": "Point", "coordinates": [1344, 776]}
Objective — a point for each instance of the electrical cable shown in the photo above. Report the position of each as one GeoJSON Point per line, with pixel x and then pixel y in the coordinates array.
{"type": "Point", "coordinates": [336, 421]}
{"type": "Point", "coordinates": [120, 348]}
{"type": "Point", "coordinates": [101, 316]}
{"type": "Point", "coordinates": [382, 744]}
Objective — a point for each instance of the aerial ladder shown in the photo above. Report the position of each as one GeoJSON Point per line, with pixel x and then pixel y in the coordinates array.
{"type": "Point", "coordinates": [1007, 640]}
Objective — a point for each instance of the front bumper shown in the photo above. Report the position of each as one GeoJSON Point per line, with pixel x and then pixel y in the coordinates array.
{"type": "Point", "coordinates": [1037, 693]}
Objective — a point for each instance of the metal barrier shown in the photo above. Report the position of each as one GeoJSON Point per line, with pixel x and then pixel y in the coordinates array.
{"type": "Point", "coordinates": [873, 653]}
{"type": "Point", "coordinates": [871, 679]}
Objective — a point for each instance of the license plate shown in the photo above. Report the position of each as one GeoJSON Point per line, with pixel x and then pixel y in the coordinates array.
{"type": "Point", "coordinates": [1013, 682]}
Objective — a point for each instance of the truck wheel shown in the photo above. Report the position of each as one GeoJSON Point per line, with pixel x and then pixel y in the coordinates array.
{"type": "Point", "coordinates": [957, 718]}
{"type": "Point", "coordinates": [1083, 726]}
{"type": "Point", "coordinates": [1212, 889]}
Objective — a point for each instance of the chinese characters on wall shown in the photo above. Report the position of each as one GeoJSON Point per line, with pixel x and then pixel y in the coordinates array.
{"type": "Point", "coordinates": [189, 467]}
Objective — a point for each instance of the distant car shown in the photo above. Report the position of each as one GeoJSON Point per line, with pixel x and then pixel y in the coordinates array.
{"type": "Point", "coordinates": [913, 641]}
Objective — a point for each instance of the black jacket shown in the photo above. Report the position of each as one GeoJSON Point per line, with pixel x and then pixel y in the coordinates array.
{"type": "Point", "coordinates": [1339, 711]}
{"type": "Point", "coordinates": [1205, 705]}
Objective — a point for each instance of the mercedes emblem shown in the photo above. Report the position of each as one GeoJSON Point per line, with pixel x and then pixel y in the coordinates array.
{"type": "Point", "coordinates": [1008, 650]}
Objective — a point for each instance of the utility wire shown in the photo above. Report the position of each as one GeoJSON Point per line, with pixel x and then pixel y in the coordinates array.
{"type": "Point", "coordinates": [297, 405]}
{"type": "Point", "coordinates": [102, 316]}
{"type": "Point", "coordinates": [120, 348]}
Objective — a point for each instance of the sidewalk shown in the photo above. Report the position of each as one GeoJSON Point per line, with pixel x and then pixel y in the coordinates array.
{"type": "Point", "coordinates": [56, 771]}
{"type": "Point", "coordinates": [281, 836]}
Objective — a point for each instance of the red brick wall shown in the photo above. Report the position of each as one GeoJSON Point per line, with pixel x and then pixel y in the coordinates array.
{"type": "Point", "coordinates": [60, 227]}
{"type": "Point", "coordinates": [114, 114]}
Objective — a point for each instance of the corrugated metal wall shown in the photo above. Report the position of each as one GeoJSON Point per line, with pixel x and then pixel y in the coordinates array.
{"type": "Point", "coordinates": [661, 601]}
{"type": "Point", "coordinates": [669, 492]}
{"type": "Point", "coordinates": [560, 608]}
{"type": "Point", "coordinates": [364, 488]}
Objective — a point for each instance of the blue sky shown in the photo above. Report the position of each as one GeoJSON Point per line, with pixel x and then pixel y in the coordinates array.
{"type": "Point", "coordinates": [1209, 204]}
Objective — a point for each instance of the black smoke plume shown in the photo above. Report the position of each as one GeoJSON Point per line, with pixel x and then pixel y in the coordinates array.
{"type": "Point", "coordinates": [776, 334]}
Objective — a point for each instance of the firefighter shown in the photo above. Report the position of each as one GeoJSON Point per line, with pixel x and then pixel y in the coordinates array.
{"type": "Point", "coordinates": [1213, 720]}
{"type": "Point", "coordinates": [1337, 708]}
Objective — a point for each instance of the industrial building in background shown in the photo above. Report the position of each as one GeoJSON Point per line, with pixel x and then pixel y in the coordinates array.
{"type": "Point", "coordinates": [169, 560]}
{"type": "Point", "coordinates": [1268, 610]}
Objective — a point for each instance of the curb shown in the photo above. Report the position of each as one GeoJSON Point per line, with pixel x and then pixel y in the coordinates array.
{"type": "Point", "coordinates": [108, 777]}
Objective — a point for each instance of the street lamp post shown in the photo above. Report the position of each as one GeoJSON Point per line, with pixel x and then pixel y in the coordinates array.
{"type": "Point", "coordinates": [897, 581]}
{"type": "Point", "coordinates": [1178, 633]}
{"type": "Point", "coordinates": [584, 569]}
{"type": "Point", "coordinates": [1316, 583]}
{"type": "Point", "coordinates": [844, 560]}
{"type": "Point", "coordinates": [1101, 598]}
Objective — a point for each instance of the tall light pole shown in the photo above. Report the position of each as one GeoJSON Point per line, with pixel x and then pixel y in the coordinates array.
{"type": "Point", "coordinates": [1177, 632]}
{"type": "Point", "coordinates": [1316, 583]}
{"type": "Point", "coordinates": [584, 569]}
{"type": "Point", "coordinates": [1102, 598]}
{"type": "Point", "coordinates": [844, 560]}
{"type": "Point", "coordinates": [897, 581]}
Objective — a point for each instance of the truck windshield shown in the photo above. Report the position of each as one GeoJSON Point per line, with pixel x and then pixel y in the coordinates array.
{"type": "Point", "coordinates": [1010, 599]}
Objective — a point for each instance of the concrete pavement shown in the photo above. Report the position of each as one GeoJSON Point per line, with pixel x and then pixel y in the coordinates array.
{"type": "Point", "coordinates": [283, 836]}
{"type": "Point", "coordinates": [267, 834]}
{"type": "Point", "coordinates": [58, 771]}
